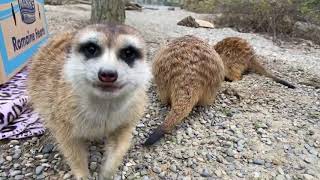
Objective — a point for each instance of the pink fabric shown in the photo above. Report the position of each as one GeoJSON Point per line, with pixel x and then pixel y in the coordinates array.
{"type": "Point", "coordinates": [17, 120]}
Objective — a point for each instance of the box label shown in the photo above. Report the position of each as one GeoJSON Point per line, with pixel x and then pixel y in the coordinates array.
{"type": "Point", "coordinates": [23, 28]}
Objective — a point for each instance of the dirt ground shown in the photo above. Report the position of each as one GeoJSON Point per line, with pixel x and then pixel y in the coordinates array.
{"type": "Point", "coordinates": [257, 129]}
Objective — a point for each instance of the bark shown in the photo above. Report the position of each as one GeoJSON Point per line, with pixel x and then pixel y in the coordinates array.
{"type": "Point", "coordinates": [104, 11]}
{"type": "Point", "coordinates": [54, 2]}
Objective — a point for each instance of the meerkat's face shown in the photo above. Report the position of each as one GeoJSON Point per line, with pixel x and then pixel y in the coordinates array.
{"type": "Point", "coordinates": [107, 61]}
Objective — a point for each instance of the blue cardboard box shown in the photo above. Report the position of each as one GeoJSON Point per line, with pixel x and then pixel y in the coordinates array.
{"type": "Point", "coordinates": [23, 28]}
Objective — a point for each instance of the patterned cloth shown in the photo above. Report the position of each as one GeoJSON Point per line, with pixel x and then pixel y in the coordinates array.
{"type": "Point", "coordinates": [17, 120]}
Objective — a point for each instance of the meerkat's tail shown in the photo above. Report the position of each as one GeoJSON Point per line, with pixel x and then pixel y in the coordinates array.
{"type": "Point", "coordinates": [182, 103]}
{"type": "Point", "coordinates": [259, 69]}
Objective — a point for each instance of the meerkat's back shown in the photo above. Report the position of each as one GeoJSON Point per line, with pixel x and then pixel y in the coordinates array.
{"type": "Point", "coordinates": [187, 72]}
{"type": "Point", "coordinates": [239, 57]}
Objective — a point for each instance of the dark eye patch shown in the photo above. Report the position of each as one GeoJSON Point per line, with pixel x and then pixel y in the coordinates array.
{"type": "Point", "coordinates": [129, 54]}
{"type": "Point", "coordinates": [90, 50]}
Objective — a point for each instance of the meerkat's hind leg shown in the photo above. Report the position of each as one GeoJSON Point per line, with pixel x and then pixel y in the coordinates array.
{"type": "Point", "coordinates": [76, 154]}
{"type": "Point", "coordinates": [117, 146]}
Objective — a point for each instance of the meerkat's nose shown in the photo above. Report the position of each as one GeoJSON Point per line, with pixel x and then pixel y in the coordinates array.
{"type": "Point", "coordinates": [107, 76]}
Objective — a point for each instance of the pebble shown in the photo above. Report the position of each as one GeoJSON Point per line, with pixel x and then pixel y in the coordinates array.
{"type": "Point", "coordinates": [156, 170]}
{"type": "Point", "coordinates": [93, 165]}
{"type": "Point", "coordinates": [39, 170]}
{"type": "Point", "coordinates": [3, 174]}
{"type": "Point", "coordinates": [258, 161]}
{"type": "Point", "coordinates": [14, 142]}
{"type": "Point", "coordinates": [219, 172]}
{"type": "Point", "coordinates": [19, 177]}
{"type": "Point", "coordinates": [47, 148]}
{"type": "Point", "coordinates": [205, 173]}
{"type": "Point", "coordinates": [280, 177]}
{"type": "Point", "coordinates": [16, 165]}
{"type": "Point", "coordinates": [17, 154]}
{"type": "Point", "coordinates": [9, 158]}
{"type": "Point", "coordinates": [15, 172]}
{"type": "Point", "coordinates": [67, 176]}
{"type": "Point", "coordinates": [173, 168]}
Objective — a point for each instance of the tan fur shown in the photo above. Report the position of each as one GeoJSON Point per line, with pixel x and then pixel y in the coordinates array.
{"type": "Point", "coordinates": [67, 114]}
{"type": "Point", "coordinates": [239, 58]}
{"type": "Point", "coordinates": [187, 72]}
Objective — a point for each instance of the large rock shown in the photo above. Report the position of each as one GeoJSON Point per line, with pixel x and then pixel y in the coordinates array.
{"type": "Point", "coordinates": [192, 22]}
{"type": "Point", "coordinates": [307, 31]}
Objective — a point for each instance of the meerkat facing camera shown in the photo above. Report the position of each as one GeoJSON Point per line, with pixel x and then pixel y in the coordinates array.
{"type": "Point", "coordinates": [91, 84]}
{"type": "Point", "coordinates": [239, 58]}
{"type": "Point", "coordinates": [187, 72]}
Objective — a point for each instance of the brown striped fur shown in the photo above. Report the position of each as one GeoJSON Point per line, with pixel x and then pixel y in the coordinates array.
{"type": "Point", "coordinates": [239, 58]}
{"type": "Point", "coordinates": [187, 72]}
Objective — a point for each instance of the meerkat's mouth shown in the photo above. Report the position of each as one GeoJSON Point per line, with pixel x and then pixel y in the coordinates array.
{"type": "Point", "coordinates": [108, 87]}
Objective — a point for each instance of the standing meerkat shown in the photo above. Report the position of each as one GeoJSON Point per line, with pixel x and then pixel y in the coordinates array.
{"type": "Point", "coordinates": [187, 72]}
{"type": "Point", "coordinates": [239, 58]}
{"type": "Point", "coordinates": [91, 84]}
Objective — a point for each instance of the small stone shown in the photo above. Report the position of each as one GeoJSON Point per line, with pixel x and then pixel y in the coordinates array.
{"type": "Point", "coordinates": [205, 173]}
{"type": "Point", "coordinates": [93, 165]}
{"type": "Point", "coordinates": [47, 148]}
{"type": "Point", "coordinates": [1, 160]}
{"type": "Point", "coordinates": [9, 158]}
{"type": "Point", "coordinates": [14, 142]}
{"type": "Point", "coordinates": [15, 172]}
{"type": "Point", "coordinates": [178, 155]}
{"type": "Point", "coordinates": [230, 153]}
{"type": "Point", "coordinates": [141, 125]}
{"type": "Point", "coordinates": [3, 174]}
{"type": "Point", "coordinates": [280, 177]}
{"type": "Point", "coordinates": [67, 176]}
{"type": "Point", "coordinates": [16, 165]}
{"type": "Point", "coordinates": [28, 174]}
{"type": "Point", "coordinates": [308, 160]}
{"type": "Point", "coordinates": [39, 170]}
{"type": "Point", "coordinates": [17, 154]}
{"type": "Point", "coordinates": [29, 165]}
{"type": "Point", "coordinates": [56, 156]}
{"type": "Point", "coordinates": [41, 176]}
{"type": "Point", "coordinates": [19, 177]}
{"type": "Point", "coordinates": [145, 178]}
{"type": "Point", "coordinates": [173, 168]}
{"type": "Point", "coordinates": [308, 177]}
{"type": "Point", "coordinates": [258, 161]}
{"type": "Point", "coordinates": [46, 165]}
{"type": "Point", "coordinates": [219, 172]}
{"type": "Point", "coordinates": [44, 160]}
{"type": "Point", "coordinates": [40, 156]}
{"type": "Point", "coordinates": [156, 170]}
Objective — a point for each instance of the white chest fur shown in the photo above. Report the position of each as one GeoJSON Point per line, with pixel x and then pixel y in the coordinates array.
{"type": "Point", "coordinates": [100, 117]}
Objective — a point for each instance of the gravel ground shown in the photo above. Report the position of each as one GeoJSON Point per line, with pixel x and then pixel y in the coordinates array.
{"type": "Point", "coordinates": [257, 129]}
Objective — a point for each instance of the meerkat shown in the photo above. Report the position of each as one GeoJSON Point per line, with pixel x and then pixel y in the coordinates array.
{"type": "Point", "coordinates": [91, 84]}
{"type": "Point", "coordinates": [240, 58]}
{"type": "Point", "coordinates": [187, 72]}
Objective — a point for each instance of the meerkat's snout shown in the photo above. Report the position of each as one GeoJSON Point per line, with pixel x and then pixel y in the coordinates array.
{"type": "Point", "coordinates": [107, 76]}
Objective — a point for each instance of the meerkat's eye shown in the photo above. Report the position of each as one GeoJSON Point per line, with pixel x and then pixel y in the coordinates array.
{"type": "Point", "coordinates": [90, 50]}
{"type": "Point", "coordinates": [129, 54]}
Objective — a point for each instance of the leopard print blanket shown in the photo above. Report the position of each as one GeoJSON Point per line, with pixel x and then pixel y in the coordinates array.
{"type": "Point", "coordinates": [17, 120]}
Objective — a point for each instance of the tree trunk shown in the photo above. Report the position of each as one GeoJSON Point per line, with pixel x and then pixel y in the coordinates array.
{"type": "Point", "coordinates": [108, 11]}
{"type": "Point", "coordinates": [53, 2]}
